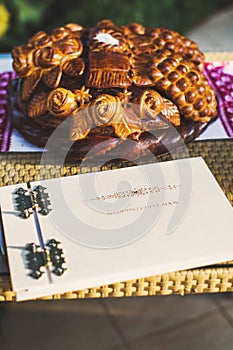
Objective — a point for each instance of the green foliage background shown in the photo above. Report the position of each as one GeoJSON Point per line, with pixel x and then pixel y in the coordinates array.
{"type": "Point", "coordinates": [29, 16]}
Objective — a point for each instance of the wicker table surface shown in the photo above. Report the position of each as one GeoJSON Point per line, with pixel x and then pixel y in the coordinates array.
{"type": "Point", "coordinates": [218, 154]}
{"type": "Point", "coordinates": [22, 167]}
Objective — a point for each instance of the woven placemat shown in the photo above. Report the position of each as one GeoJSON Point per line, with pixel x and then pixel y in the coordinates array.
{"type": "Point", "coordinates": [21, 167]}
{"type": "Point", "coordinates": [218, 56]}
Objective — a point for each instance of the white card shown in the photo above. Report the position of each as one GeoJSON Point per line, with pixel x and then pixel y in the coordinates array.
{"type": "Point", "coordinates": [122, 224]}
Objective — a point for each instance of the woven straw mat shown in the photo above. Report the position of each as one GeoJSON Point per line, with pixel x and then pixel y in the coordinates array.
{"type": "Point", "coordinates": [218, 154]}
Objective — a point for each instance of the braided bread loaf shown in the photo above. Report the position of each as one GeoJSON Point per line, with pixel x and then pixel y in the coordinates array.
{"type": "Point", "coordinates": [74, 68]}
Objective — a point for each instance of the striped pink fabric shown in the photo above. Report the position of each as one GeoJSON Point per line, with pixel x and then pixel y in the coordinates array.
{"type": "Point", "coordinates": [222, 82]}
{"type": "Point", "coordinates": [5, 125]}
